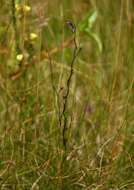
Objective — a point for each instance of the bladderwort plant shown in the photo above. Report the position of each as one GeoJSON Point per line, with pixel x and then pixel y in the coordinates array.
{"type": "Point", "coordinates": [63, 114]}
{"type": "Point", "coordinates": [85, 26]}
{"type": "Point", "coordinates": [64, 117]}
{"type": "Point", "coordinates": [62, 109]}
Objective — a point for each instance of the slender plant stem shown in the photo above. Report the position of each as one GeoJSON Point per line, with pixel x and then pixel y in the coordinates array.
{"type": "Point", "coordinates": [14, 21]}
{"type": "Point", "coordinates": [75, 54]}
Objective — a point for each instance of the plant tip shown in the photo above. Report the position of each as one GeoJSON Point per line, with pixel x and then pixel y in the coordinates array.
{"type": "Point", "coordinates": [71, 26]}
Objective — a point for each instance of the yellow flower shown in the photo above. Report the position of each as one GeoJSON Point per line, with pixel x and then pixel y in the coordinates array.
{"type": "Point", "coordinates": [22, 8]}
{"type": "Point", "coordinates": [33, 36]}
{"type": "Point", "coordinates": [17, 7]}
{"type": "Point", "coordinates": [26, 8]}
{"type": "Point", "coordinates": [19, 57]}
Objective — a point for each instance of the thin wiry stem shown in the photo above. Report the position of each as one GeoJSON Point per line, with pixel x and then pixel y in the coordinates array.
{"type": "Point", "coordinates": [14, 21]}
{"type": "Point", "coordinates": [75, 53]}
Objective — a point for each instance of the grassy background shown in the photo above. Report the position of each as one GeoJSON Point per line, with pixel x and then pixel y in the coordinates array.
{"type": "Point", "coordinates": [100, 121]}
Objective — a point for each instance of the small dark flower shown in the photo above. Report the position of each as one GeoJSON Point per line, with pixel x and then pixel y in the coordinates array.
{"type": "Point", "coordinates": [88, 109]}
{"type": "Point", "coordinates": [71, 26]}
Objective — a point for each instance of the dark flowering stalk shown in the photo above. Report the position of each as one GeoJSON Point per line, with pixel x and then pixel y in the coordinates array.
{"type": "Point", "coordinates": [75, 54]}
